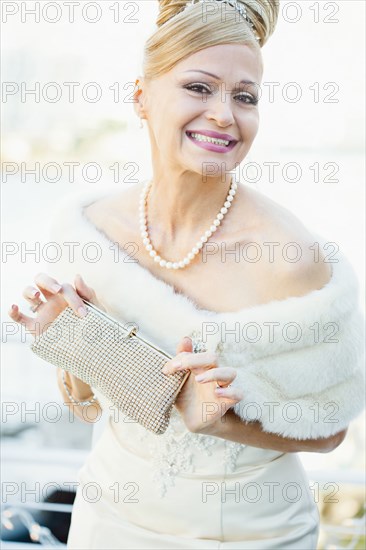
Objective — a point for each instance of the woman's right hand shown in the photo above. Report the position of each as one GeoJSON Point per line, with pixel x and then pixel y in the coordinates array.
{"type": "Point", "coordinates": [57, 298]}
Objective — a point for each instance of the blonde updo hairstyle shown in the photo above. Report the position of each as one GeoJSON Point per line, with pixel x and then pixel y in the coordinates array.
{"type": "Point", "coordinates": [183, 33]}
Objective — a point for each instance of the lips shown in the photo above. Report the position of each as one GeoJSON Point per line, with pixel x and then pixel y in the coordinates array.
{"type": "Point", "coordinates": [211, 146]}
{"type": "Point", "coordinates": [212, 134]}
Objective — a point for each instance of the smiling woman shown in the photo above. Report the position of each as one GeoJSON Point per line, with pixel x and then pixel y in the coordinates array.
{"type": "Point", "coordinates": [196, 113]}
{"type": "Point", "coordinates": [199, 95]}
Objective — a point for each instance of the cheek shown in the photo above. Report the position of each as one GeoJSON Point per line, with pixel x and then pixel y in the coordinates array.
{"type": "Point", "coordinates": [249, 125]}
{"type": "Point", "coordinates": [172, 120]}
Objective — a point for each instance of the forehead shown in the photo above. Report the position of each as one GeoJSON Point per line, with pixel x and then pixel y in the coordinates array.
{"type": "Point", "coordinates": [230, 62]}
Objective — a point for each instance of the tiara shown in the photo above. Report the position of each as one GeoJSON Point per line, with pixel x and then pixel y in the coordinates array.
{"type": "Point", "coordinates": [233, 3]}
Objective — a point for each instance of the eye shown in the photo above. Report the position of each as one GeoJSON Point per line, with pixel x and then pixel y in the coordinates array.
{"type": "Point", "coordinates": [248, 98]}
{"type": "Point", "coordinates": [194, 88]}
{"type": "Point", "coordinates": [243, 97]}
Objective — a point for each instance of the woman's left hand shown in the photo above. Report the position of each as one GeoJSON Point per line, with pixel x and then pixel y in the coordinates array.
{"type": "Point", "coordinates": [200, 402]}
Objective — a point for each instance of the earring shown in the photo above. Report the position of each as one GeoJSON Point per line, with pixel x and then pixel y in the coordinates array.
{"type": "Point", "coordinates": [137, 94]}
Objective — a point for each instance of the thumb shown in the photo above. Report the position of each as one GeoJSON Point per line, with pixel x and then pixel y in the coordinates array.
{"type": "Point", "coordinates": [185, 345]}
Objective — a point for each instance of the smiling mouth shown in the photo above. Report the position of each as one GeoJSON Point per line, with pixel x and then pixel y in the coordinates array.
{"type": "Point", "coordinates": [205, 139]}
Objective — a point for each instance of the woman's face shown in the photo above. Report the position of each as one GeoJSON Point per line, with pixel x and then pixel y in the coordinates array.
{"type": "Point", "coordinates": [187, 100]}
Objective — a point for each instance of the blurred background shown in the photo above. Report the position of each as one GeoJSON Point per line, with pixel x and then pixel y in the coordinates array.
{"type": "Point", "coordinates": [81, 64]}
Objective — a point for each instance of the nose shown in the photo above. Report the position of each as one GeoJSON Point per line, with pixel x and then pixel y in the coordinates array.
{"type": "Point", "coordinates": [221, 111]}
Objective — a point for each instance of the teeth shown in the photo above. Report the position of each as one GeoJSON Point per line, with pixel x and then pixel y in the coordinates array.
{"type": "Point", "coordinates": [200, 137]}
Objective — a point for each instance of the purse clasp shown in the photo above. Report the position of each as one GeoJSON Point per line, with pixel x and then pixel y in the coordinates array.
{"type": "Point", "coordinates": [131, 331]}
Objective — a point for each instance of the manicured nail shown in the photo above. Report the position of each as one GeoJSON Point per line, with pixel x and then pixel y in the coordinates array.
{"type": "Point", "coordinates": [13, 307]}
{"type": "Point", "coordinates": [200, 377]}
{"type": "Point", "coordinates": [55, 287]}
{"type": "Point", "coordinates": [176, 364]}
{"type": "Point", "coordinates": [35, 293]}
{"type": "Point", "coordinates": [82, 311]}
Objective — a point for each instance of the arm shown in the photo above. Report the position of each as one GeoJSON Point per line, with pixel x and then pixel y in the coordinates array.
{"type": "Point", "coordinates": [220, 419]}
{"type": "Point", "coordinates": [81, 392]}
{"type": "Point", "coordinates": [232, 428]}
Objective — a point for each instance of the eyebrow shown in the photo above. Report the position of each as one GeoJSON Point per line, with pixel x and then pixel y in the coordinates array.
{"type": "Point", "coordinates": [217, 77]}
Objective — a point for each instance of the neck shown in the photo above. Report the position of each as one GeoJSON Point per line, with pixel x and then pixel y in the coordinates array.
{"type": "Point", "coordinates": [180, 210]}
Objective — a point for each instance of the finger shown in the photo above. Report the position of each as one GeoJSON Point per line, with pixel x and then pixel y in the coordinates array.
{"type": "Point", "coordinates": [73, 299]}
{"type": "Point", "coordinates": [223, 376]}
{"type": "Point", "coordinates": [48, 285]}
{"type": "Point", "coordinates": [83, 289]}
{"type": "Point", "coordinates": [19, 317]}
{"type": "Point", "coordinates": [192, 361]}
{"type": "Point", "coordinates": [185, 345]}
{"type": "Point", "coordinates": [31, 294]}
{"type": "Point", "coordinates": [232, 393]}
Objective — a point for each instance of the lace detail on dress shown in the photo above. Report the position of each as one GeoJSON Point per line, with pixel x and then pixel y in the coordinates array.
{"type": "Point", "coordinates": [232, 451]}
{"type": "Point", "coordinates": [172, 452]}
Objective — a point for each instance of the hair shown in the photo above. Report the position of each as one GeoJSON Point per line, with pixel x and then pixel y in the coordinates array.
{"type": "Point", "coordinates": [183, 33]}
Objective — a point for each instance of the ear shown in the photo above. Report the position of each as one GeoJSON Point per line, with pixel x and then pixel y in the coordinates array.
{"type": "Point", "coordinates": [139, 97]}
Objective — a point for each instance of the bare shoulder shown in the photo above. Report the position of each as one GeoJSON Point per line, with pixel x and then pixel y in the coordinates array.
{"type": "Point", "coordinates": [291, 263]}
{"type": "Point", "coordinates": [120, 206]}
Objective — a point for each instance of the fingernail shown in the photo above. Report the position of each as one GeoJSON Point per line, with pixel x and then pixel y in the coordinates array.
{"type": "Point", "coordinates": [36, 293]}
{"type": "Point", "coordinates": [56, 288]}
{"type": "Point", "coordinates": [166, 369]}
{"type": "Point", "coordinates": [176, 364]}
{"type": "Point", "coordinates": [200, 377]}
{"type": "Point", "coordinates": [82, 311]}
{"type": "Point", "coordinates": [13, 307]}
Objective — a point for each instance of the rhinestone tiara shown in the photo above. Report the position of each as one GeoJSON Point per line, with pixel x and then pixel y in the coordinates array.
{"type": "Point", "coordinates": [233, 3]}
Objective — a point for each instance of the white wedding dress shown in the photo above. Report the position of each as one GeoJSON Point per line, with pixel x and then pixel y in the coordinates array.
{"type": "Point", "coordinates": [178, 490]}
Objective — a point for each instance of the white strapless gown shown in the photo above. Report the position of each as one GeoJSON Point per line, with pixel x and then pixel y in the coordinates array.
{"type": "Point", "coordinates": [178, 490]}
{"type": "Point", "coordinates": [189, 491]}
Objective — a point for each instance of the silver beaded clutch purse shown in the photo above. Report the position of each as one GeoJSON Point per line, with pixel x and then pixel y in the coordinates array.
{"type": "Point", "coordinates": [111, 357]}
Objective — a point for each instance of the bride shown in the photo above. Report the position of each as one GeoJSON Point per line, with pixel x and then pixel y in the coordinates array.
{"type": "Point", "coordinates": [224, 480]}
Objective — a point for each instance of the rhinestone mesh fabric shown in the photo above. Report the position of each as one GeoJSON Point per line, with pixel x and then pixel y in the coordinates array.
{"type": "Point", "coordinates": [125, 369]}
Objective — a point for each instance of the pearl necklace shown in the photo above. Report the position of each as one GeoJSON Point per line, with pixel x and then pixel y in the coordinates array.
{"type": "Point", "coordinates": [199, 244]}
